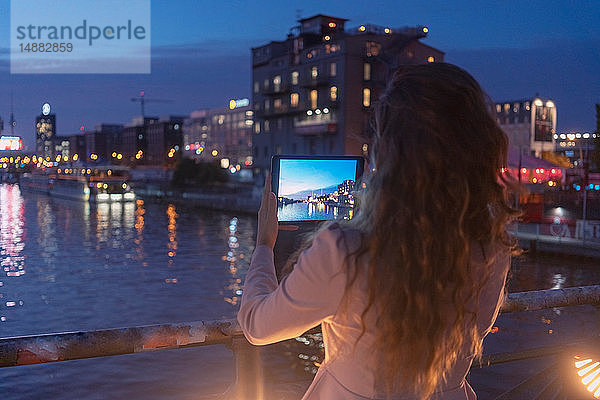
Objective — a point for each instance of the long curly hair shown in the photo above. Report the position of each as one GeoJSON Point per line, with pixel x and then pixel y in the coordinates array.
{"type": "Point", "coordinates": [438, 187]}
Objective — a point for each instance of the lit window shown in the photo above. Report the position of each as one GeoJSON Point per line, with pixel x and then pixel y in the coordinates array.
{"type": "Point", "coordinates": [257, 127]}
{"type": "Point", "coordinates": [366, 97]}
{"type": "Point", "coordinates": [277, 103]}
{"type": "Point", "coordinates": [313, 98]}
{"type": "Point", "coordinates": [430, 59]}
{"type": "Point", "coordinates": [314, 72]}
{"type": "Point", "coordinates": [267, 125]}
{"type": "Point", "coordinates": [506, 108]}
{"type": "Point", "coordinates": [373, 49]}
{"type": "Point", "coordinates": [498, 108]}
{"type": "Point", "coordinates": [277, 83]}
{"type": "Point", "coordinates": [256, 87]}
{"type": "Point", "coordinates": [333, 69]}
{"type": "Point", "coordinates": [267, 104]}
{"type": "Point", "coordinates": [294, 99]}
{"type": "Point", "coordinates": [294, 77]}
{"type": "Point", "coordinates": [367, 71]}
{"type": "Point", "coordinates": [333, 93]}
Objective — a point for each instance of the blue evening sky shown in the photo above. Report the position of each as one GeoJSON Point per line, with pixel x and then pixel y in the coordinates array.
{"type": "Point", "coordinates": [298, 175]}
{"type": "Point", "coordinates": [201, 56]}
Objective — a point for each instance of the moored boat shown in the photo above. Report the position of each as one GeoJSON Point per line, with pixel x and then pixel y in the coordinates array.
{"type": "Point", "coordinates": [98, 184]}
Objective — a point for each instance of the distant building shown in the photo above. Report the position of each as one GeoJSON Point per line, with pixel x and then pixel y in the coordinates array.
{"type": "Point", "coordinates": [61, 146]}
{"type": "Point", "coordinates": [312, 92]}
{"type": "Point", "coordinates": [77, 146]}
{"type": "Point", "coordinates": [134, 141]}
{"type": "Point", "coordinates": [165, 141]}
{"type": "Point", "coordinates": [530, 125]}
{"type": "Point", "coordinates": [45, 129]}
{"type": "Point", "coordinates": [345, 192]}
{"type": "Point", "coordinates": [223, 134]}
{"type": "Point", "coordinates": [102, 142]}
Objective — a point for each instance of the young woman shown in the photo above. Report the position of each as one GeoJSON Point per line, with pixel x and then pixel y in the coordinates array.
{"type": "Point", "coordinates": [405, 291]}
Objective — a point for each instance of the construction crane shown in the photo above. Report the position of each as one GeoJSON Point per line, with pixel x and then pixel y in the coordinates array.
{"type": "Point", "coordinates": [143, 100]}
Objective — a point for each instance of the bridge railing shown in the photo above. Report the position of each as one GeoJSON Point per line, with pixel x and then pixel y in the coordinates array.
{"type": "Point", "coordinates": [37, 349]}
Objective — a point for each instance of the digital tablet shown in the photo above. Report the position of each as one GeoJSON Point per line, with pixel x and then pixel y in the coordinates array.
{"type": "Point", "coordinates": [315, 188]}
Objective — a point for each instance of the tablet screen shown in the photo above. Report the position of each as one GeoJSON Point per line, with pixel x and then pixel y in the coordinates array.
{"type": "Point", "coordinates": [316, 189]}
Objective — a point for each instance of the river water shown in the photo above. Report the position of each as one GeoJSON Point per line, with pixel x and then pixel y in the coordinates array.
{"type": "Point", "coordinates": [68, 266]}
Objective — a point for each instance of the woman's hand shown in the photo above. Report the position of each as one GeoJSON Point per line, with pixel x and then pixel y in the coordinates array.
{"type": "Point", "coordinates": [267, 217]}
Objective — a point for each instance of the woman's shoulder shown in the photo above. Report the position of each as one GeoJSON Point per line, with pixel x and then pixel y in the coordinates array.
{"type": "Point", "coordinates": [347, 238]}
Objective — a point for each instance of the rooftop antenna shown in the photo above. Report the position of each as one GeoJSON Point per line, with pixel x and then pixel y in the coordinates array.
{"type": "Point", "coordinates": [12, 121]}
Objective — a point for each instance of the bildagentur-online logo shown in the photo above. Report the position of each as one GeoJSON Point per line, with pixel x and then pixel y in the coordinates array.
{"type": "Point", "coordinates": [85, 31]}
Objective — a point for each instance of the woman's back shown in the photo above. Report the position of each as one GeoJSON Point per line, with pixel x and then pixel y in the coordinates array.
{"type": "Point", "coordinates": [315, 291]}
{"type": "Point", "coordinates": [406, 302]}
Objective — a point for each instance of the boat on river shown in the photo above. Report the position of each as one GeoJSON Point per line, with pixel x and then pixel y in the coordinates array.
{"type": "Point", "coordinates": [98, 184]}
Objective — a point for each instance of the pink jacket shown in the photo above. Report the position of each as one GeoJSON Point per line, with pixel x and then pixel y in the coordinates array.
{"type": "Point", "coordinates": [311, 294]}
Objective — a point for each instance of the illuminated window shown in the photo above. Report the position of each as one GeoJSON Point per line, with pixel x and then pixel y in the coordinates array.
{"type": "Point", "coordinates": [277, 103]}
{"type": "Point", "coordinates": [498, 108]}
{"type": "Point", "coordinates": [294, 77]}
{"type": "Point", "coordinates": [333, 69]}
{"type": "Point", "coordinates": [314, 72]}
{"type": "Point", "coordinates": [430, 59]}
{"type": "Point", "coordinates": [367, 71]}
{"type": "Point", "coordinates": [506, 108]}
{"type": "Point", "coordinates": [333, 93]}
{"type": "Point", "coordinates": [277, 83]}
{"type": "Point", "coordinates": [373, 48]}
{"type": "Point", "coordinates": [294, 99]}
{"type": "Point", "coordinates": [256, 87]}
{"type": "Point", "coordinates": [366, 97]}
{"type": "Point", "coordinates": [267, 125]}
{"type": "Point", "coordinates": [257, 127]}
{"type": "Point", "coordinates": [313, 98]}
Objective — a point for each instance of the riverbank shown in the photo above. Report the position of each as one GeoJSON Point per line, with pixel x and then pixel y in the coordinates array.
{"type": "Point", "coordinates": [243, 200]}
{"type": "Point", "coordinates": [531, 240]}
{"type": "Point", "coordinates": [246, 200]}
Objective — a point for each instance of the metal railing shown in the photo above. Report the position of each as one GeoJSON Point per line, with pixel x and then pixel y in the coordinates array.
{"type": "Point", "coordinates": [37, 349]}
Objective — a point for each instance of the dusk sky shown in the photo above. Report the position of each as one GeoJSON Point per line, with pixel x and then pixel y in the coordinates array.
{"type": "Point", "coordinates": [201, 56]}
{"type": "Point", "coordinates": [299, 175]}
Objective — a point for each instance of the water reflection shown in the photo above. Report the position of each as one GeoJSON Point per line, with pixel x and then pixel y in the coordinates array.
{"type": "Point", "coordinates": [235, 281]}
{"type": "Point", "coordinates": [312, 211]}
{"type": "Point", "coordinates": [139, 227]}
{"type": "Point", "coordinates": [12, 261]}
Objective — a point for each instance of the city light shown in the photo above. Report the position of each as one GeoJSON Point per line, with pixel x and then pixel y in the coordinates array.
{"type": "Point", "coordinates": [214, 153]}
{"type": "Point", "coordinates": [362, 28]}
